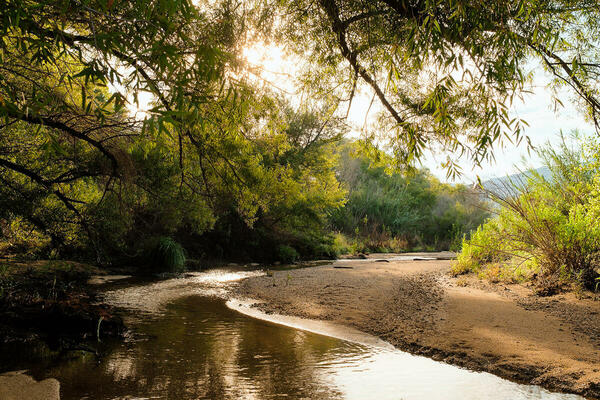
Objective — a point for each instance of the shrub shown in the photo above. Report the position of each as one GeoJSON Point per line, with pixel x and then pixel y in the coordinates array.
{"type": "Point", "coordinates": [342, 245]}
{"type": "Point", "coordinates": [167, 255]}
{"type": "Point", "coordinates": [484, 247]}
{"type": "Point", "coordinates": [287, 254]}
{"type": "Point", "coordinates": [544, 228]}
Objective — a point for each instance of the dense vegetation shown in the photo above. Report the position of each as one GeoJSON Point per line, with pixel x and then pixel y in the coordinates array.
{"type": "Point", "coordinates": [372, 207]}
{"type": "Point", "coordinates": [221, 164]}
{"type": "Point", "coordinates": [547, 228]}
{"type": "Point", "coordinates": [390, 211]}
{"type": "Point", "coordinates": [89, 179]}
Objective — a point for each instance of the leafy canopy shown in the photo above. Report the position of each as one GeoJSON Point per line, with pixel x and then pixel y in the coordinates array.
{"type": "Point", "coordinates": [446, 72]}
{"type": "Point", "coordinates": [75, 163]}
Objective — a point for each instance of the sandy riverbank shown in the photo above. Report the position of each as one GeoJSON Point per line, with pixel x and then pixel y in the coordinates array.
{"type": "Point", "coordinates": [416, 306]}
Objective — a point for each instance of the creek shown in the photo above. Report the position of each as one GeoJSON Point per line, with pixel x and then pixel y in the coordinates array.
{"type": "Point", "coordinates": [188, 344]}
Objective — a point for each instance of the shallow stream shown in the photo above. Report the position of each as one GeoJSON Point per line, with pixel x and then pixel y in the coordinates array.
{"type": "Point", "coordinates": [188, 344]}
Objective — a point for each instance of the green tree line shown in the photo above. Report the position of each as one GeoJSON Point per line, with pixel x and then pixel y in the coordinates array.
{"type": "Point", "coordinates": [387, 210]}
{"type": "Point", "coordinates": [219, 161]}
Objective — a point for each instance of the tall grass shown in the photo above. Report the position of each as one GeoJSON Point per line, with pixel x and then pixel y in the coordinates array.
{"type": "Point", "coordinates": [168, 255]}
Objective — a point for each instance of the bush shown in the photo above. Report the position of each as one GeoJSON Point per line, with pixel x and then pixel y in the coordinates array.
{"type": "Point", "coordinates": [545, 228]}
{"type": "Point", "coordinates": [342, 245]}
{"type": "Point", "coordinates": [287, 254]}
{"type": "Point", "coordinates": [484, 247]}
{"type": "Point", "coordinates": [167, 255]}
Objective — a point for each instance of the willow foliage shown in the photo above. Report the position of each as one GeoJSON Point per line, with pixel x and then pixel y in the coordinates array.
{"type": "Point", "coordinates": [445, 72]}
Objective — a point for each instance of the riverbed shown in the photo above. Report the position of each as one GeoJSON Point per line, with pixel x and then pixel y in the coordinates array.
{"type": "Point", "coordinates": [186, 343]}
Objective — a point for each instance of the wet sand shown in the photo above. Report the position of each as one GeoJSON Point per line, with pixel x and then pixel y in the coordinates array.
{"type": "Point", "coordinates": [416, 306]}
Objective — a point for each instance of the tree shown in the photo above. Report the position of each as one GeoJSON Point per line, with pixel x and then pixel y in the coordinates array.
{"type": "Point", "coordinates": [445, 72]}
{"type": "Point", "coordinates": [59, 59]}
{"type": "Point", "coordinates": [80, 166]}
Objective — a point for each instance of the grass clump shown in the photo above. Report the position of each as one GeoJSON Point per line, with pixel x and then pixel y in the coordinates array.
{"type": "Point", "coordinates": [167, 255]}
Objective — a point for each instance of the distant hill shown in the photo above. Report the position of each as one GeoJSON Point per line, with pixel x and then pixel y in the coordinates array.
{"type": "Point", "coordinates": [500, 183]}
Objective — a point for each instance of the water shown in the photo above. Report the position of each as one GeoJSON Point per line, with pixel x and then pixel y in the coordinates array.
{"type": "Point", "coordinates": [189, 345]}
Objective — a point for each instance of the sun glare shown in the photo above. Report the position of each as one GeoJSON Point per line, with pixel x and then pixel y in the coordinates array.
{"type": "Point", "coordinates": [267, 63]}
{"type": "Point", "coordinates": [270, 63]}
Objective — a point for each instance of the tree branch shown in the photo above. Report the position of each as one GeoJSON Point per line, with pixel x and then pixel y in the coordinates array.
{"type": "Point", "coordinates": [339, 28]}
{"type": "Point", "coordinates": [45, 121]}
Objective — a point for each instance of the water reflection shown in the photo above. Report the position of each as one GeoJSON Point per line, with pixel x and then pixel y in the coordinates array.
{"type": "Point", "coordinates": [201, 349]}
{"type": "Point", "coordinates": [197, 348]}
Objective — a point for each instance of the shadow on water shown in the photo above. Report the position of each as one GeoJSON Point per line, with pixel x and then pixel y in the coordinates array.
{"type": "Point", "coordinates": [195, 347]}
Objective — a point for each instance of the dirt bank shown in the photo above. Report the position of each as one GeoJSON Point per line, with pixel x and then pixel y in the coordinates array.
{"type": "Point", "coordinates": [48, 310]}
{"type": "Point", "coordinates": [418, 307]}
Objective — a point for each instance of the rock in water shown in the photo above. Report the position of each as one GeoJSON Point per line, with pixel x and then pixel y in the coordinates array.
{"type": "Point", "coordinates": [18, 386]}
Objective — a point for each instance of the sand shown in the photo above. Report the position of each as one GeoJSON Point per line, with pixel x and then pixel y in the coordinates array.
{"type": "Point", "coordinates": [418, 307]}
